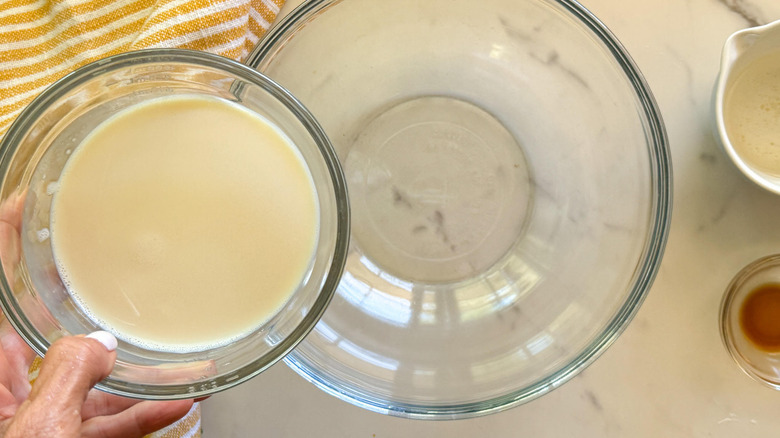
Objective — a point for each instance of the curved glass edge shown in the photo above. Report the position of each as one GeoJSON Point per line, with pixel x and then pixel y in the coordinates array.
{"type": "Point", "coordinates": [337, 262]}
{"type": "Point", "coordinates": [647, 268]}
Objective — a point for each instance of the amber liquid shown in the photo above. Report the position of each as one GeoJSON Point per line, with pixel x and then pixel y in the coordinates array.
{"type": "Point", "coordinates": [759, 317]}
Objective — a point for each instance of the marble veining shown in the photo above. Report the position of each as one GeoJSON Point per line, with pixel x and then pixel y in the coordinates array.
{"type": "Point", "coordinates": [552, 59]}
{"type": "Point", "coordinates": [745, 9]}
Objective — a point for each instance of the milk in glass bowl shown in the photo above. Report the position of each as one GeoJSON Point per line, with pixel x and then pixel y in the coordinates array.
{"type": "Point", "coordinates": [180, 200]}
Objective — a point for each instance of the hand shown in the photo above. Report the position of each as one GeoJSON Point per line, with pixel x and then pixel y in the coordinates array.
{"type": "Point", "coordinates": [61, 402]}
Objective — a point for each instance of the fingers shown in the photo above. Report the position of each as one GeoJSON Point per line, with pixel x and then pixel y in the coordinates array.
{"type": "Point", "coordinates": [10, 250]}
{"type": "Point", "coordinates": [138, 420]}
{"type": "Point", "coordinates": [12, 208]}
{"type": "Point", "coordinates": [71, 367]}
{"type": "Point", "coordinates": [101, 403]}
{"type": "Point", "coordinates": [60, 403]}
{"type": "Point", "coordinates": [16, 359]}
{"type": "Point", "coordinates": [18, 353]}
{"type": "Point", "coordinates": [10, 229]}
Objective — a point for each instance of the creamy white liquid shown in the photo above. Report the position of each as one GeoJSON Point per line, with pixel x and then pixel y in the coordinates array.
{"type": "Point", "coordinates": [184, 223]}
{"type": "Point", "coordinates": [752, 114]}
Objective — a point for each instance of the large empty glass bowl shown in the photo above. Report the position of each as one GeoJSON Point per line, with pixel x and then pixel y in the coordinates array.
{"type": "Point", "coordinates": [510, 186]}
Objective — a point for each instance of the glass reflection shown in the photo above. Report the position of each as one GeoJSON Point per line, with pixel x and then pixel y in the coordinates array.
{"type": "Point", "coordinates": [401, 303]}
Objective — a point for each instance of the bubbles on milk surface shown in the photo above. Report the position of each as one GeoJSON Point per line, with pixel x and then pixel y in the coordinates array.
{"type": "Point", "coordinates": [52, 187]}
{"type": "Point", "coordinates": [42, 234]}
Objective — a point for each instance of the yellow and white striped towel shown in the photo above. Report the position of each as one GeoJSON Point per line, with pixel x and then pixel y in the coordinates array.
{"type": "Point", "coordinates": [42, 40]}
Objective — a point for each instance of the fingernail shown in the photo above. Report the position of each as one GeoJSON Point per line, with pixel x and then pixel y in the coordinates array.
{"type": "Point", "coordinates": [107, 339]}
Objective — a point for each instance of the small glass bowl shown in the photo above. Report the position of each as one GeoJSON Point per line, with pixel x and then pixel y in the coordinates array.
{"type": "Point", "coordinates": [37, 146]}
{"type": "Point", "coordinates": [761, 365]}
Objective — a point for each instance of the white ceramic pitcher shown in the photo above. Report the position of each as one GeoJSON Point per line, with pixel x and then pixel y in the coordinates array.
{"type": "Point", "coordinates": [739, 52]}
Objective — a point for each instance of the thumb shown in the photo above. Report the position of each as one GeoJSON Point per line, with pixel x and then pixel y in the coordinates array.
{"type": "Point", "coordinates": [71, 367]}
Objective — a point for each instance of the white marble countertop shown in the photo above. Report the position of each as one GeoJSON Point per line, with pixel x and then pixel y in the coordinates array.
{"type": "Point", "coordinates": [668, 375]}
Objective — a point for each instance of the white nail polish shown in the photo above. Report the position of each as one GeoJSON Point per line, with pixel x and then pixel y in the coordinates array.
{"type": "Point", "coordinates": [105, 338]}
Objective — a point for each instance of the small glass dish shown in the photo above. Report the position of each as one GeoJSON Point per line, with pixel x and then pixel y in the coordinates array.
{"type": "Point", "coordinates": [34, 151]}
{"type": "Point", "coordinates": [758, 363]}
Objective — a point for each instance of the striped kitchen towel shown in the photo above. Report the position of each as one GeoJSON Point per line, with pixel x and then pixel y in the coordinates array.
{"type": "Point", "coordinates": [42, 40]}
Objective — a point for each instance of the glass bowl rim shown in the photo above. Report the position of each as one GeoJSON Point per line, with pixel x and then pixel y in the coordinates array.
{"type": "Point", "coordinates": [26, 120]}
